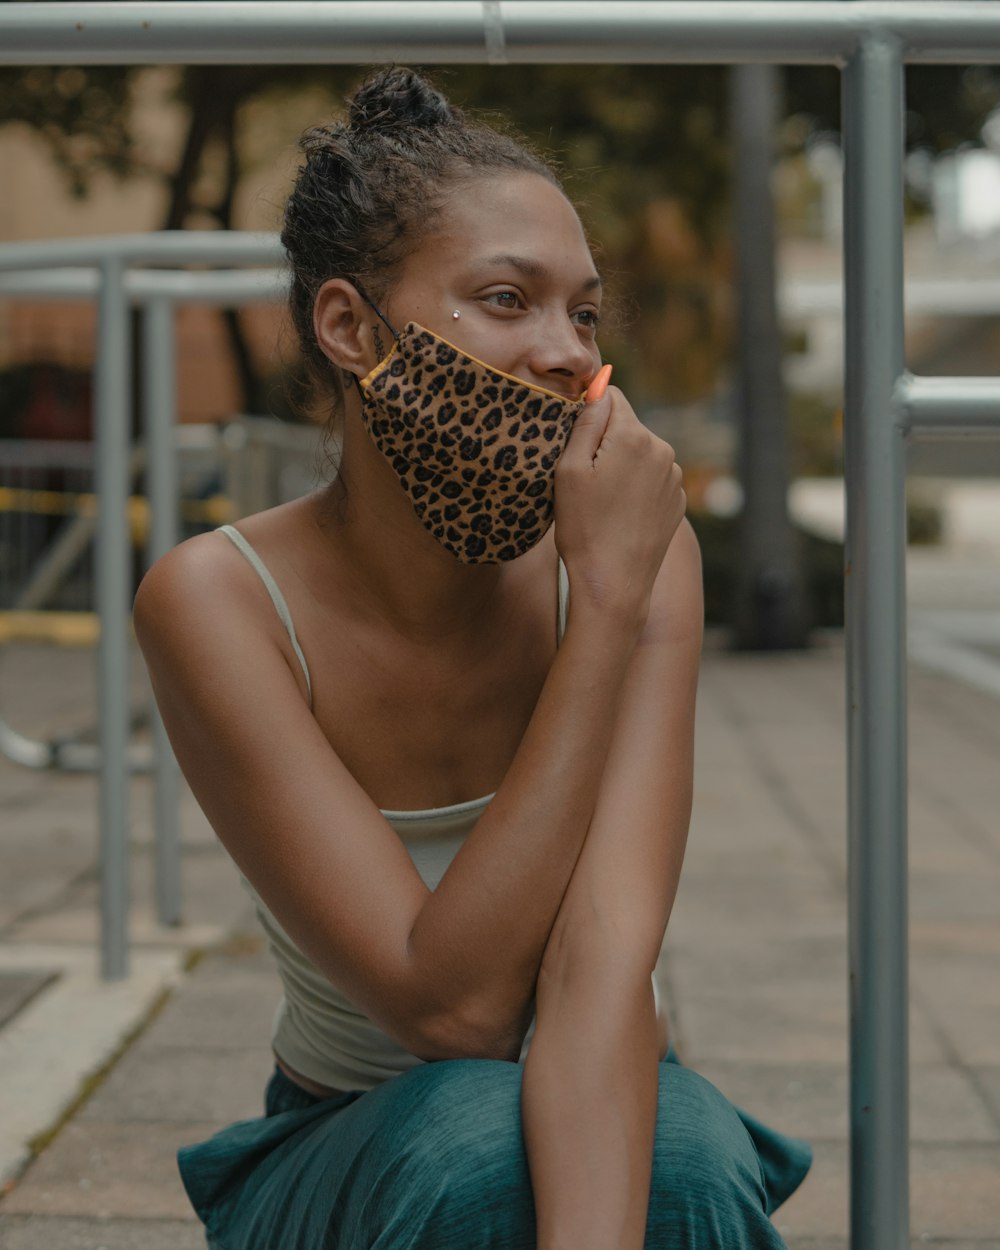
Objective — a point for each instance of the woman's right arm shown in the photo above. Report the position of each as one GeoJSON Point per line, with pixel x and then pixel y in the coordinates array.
{"type": "Point", "coordinates": [452, 972]}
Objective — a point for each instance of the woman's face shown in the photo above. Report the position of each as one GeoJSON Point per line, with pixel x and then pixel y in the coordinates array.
{"type": "Point", "coordinates": [509, 255]}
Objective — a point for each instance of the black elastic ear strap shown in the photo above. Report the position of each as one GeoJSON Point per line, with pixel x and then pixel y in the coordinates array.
{"type": "Point", "coordinates": [381, 316]}
{"type": "Point", "coordinates": [376, 310]}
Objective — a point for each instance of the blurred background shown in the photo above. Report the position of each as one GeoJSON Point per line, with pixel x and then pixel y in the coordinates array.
{"type": "Point", "coordinates": [648, 156]}
{"type": "Point", "coordinates": [713, 200]}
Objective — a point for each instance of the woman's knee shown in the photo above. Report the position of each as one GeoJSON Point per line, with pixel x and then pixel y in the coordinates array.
{"type": "Point", "coordinates": [458, 1176]}
{"type": "Point", "coordinates": [707, 1187]}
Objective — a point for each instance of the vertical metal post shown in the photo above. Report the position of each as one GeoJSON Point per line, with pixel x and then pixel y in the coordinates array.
{"type": "Point", "coordinates": [876, 646]}
{"type": "Point", "coordinates": [112, 408]}
{"type": "Point", "coordinates": [769, 608]}
{"type": "Point", "coordinates": [160, 406]}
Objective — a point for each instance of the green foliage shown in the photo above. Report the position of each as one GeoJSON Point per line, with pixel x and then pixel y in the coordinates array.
{"type": "Point", "coordinates": [815, 440]}
{"type": "Point", "coordinates": [924, 523]}
{"type": "Point", "coordinates": [626, 134]}
{"type": "Point", "coordinates": [645, 151]}
{"type": "Point", "coordinates": [82, 114]}
{"type": "Point", "coordinates": [945, 104]}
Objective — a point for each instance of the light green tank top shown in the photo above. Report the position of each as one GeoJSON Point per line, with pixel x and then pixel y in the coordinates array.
{"type": "Point", "coordinates": [317, 1031]}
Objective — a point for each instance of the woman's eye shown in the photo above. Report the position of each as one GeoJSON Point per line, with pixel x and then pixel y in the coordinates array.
{"type": "Point", "coordinates": [504, 299]}
{"type": "Point", "coordinates": [588, 318]}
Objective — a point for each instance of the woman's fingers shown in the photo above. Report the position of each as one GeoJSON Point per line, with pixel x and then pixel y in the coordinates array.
{"type": "Point", "coordinates": [588, 430]}
{"type": "Point", "coordinates": [619, 498]}
{"type": "Point", "coordinates": [590, 425]}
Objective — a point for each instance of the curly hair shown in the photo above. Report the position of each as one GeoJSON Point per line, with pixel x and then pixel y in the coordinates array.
{"type": "Point", "coordinates": [372, 185]}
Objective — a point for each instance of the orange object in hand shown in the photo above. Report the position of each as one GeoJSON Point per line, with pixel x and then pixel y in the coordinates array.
{"type": "Point", "coordinates": [598, 387]}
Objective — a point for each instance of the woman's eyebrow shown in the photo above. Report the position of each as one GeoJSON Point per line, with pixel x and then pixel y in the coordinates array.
{"type": "Point", "coordinates": [535, 269]}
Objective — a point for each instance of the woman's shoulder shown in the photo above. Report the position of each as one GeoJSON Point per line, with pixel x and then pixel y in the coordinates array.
{"type": "Point", "coordinates": [211, 582]}
{"type": "Point", "coordinates": [202, 613]}
{"type": "Point", "coordinates": [187, 604]}
{"type": "Point", "coordinates": [214, 565]}
{"type": "Point", "coordinates": [200, 568]}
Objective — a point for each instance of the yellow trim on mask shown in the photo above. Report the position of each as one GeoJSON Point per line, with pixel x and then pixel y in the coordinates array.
{"type": "Point", "coordinates": [382, 364]}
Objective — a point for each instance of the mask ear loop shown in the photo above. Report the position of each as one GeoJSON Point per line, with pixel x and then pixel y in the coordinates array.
{"type": "Point", "coordinates": [381, 316]}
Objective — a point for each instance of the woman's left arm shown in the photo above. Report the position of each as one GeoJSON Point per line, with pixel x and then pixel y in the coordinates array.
{"type": "Point", "coordinates": [591, 1077]}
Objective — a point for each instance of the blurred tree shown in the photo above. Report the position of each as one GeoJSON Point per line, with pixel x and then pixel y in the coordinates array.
{"type": "Point", "coordinates": [81, 114]}
{"type": "Point", "coordinates": [86, 117]}
{"type": "Point", "coordinates": [646, 153]}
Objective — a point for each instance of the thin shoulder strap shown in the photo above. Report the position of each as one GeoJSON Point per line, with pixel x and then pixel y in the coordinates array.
{"type": "Point", "coordinates": [563, 600]}
{"type": "Point", "coordinates": [277, 598]}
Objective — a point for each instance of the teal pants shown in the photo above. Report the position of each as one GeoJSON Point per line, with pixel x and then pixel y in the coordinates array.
{"type": "Point", "coordinates": [434, 1160]}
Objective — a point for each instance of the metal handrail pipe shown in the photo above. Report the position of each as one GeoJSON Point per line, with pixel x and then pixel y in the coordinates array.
{"type": "Point", "coordinates": [176, 247]}
{"type": "Point", "coordinates": [875, 616]}
{"type": "Point", "coordinates": [942, 297]}
{"type": "Point", "coordinates": [32, 453]}
{"type": "Point", "coordinates": [974, 296]}
{"type": "Point", "coordinates": [946, 407]}
{"type": "Point", "coordinates": [163, 485]}
{"type": "Point", "coordinates": [227, 287]}
{"type": "Point", "coordinates": [477, 31]}
{"type": "Point", "coordinates": [112, 417]}
{"type": "Point", "coordinates": [784, 32]}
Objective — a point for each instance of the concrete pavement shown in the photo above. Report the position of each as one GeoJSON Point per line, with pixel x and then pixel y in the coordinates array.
{"type": "Point", "coordinates": [757, 963]}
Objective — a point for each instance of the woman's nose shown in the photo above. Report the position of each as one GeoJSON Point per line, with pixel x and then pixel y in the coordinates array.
{"type": "Point", "coordinates": [560, 352]}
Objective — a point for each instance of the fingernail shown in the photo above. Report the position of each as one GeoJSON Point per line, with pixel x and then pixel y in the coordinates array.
{"type": "Point", "coordinates": [598, 387]}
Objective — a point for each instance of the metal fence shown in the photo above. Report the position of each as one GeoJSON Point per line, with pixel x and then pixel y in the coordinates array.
{"type": "Point", "coordinates": [48, 521]}
{"type": "Point", "coordinates": [96, 269]}
{"type": "Point", "coordinates": [47, 506]}
{"type": "Point", "coordinates": [870, 41]}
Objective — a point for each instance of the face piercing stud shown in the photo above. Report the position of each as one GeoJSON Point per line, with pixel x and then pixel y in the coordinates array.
{"type": "Point", "coordinates": [455, 315]}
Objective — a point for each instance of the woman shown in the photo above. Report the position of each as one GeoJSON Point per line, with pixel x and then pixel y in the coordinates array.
{"type": "Point", "coordinates": [344, 675]}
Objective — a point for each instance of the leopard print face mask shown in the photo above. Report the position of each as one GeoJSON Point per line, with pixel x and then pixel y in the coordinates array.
{"type": "Point", "coordinates": [474, 449]}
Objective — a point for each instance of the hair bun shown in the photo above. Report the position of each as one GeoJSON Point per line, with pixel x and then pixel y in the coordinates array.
{"type": "Point", "coordinates": [395, 98]}
{"type": "Point", "coordinates": [320, 142]}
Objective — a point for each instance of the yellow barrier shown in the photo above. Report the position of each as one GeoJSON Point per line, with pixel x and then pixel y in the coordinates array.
{"type": "Point", "coordinates": [216, 510]}
{"type": "Point", "coordinates": [64, 629]}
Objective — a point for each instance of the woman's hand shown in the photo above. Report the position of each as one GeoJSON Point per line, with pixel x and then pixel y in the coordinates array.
{"type": "Point", "coordinates": [618, 502]}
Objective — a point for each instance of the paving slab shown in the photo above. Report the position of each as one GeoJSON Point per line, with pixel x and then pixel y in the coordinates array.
{"type": "Point", "coordinates": [953, 1194]}
{"type": "Point", "coordinates": [715, 905]}
{"type": "Point", "coordinates": [765, 1027]}
{"type": "Point", "coordinates": [811, 1099]}
{"type": "Point", "coordinates": [794, 1020]}
{"type": "Point", "coordinates": [756, 960]}
{"type": "Point", "coordinates": [99, 1170]}
{"type": "Point", "coordinates": [51, 690]}
{"type": "Point", "coordinates": [66, 1034]}
{"type": "Point", "coordinates": [987, 1080]}
{"type": "Point", "coordinates": [48, 1233]}
{"type": "Point", "coordinates": [39, 1232]}
{"type": "Point", "coordinates": [918, 1243]}
{"type": "Point", "coordinates": [736, 968]}
{"type": "Point", "coordinates": [221, 1013]}
{"type": "Point", "coordinates": [19, 987]}
{"type": "Point", "coordinates": [961, 991]}
{"type": "Point", "coordinates": [160, 1085]}
{"type": "Point", "coordinates": [954, 937]}
{"type": "Point", "coordinates": [213, 902]}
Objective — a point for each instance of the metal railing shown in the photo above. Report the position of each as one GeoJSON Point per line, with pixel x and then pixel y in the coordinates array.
{"type": "Point", "coordinates": [48, 517]}
{"type": "Point", "coordinates": [40, 269]}
{"type": "Point", "coordinates": [870, 41]}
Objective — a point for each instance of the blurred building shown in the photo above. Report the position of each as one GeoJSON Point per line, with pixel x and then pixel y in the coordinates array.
{"type": "Point", "coordinates": [37, 204]}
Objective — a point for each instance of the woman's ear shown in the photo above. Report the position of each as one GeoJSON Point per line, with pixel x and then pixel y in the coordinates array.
{"type": "Point", "coordinates": [342, 324]}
